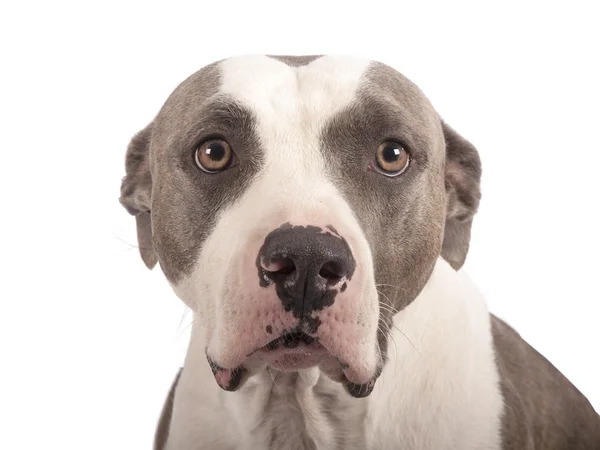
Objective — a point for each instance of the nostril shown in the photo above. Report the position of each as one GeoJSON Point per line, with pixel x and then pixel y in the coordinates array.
{"type": "Point", "coordinates": [282, 266]}
{"type": "Point", "coordinates": [332, 272]}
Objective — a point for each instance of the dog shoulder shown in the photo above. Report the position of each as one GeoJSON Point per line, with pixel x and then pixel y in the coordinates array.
{"type": "Point", "coordinates": [542, 408]}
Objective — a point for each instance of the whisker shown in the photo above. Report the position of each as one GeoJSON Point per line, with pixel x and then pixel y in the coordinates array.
{"type": "Point", "coordinates": [185, 329]}
{"type": "Point", "coordinates": [398, 288]}
{"type": "Point", "coordinates": [393, 310]}
{"type": "Point", "coordinates": [388, 299]}
{"type": "Point", "coordinates": [194, 318]}
{"type": "Point", "coordinates": [130, 244]}
{"type": "Point", "coordinates": [185, 312]}
{"type": "Point", "coordinates": [393, 340]}
{"type": "Point", "coordinates": [389, 309]}
{"type": "Point", "coordinates": [268, 369]}
{"type": "Point", "coordinates": [411, 343]}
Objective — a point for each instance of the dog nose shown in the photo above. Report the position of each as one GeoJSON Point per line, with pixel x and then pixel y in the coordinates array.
{"type": "Point", "coordinates": [307, 264]}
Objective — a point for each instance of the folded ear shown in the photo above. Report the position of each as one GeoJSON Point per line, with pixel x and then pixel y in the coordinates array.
{"type": "Point", "coordinates": [463, 175]}
{"type": "Point", "coordinates": [136, 189]}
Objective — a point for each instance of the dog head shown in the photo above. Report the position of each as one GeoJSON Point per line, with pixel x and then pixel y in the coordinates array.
{"type": "Point", "coordinates": [295, 204]}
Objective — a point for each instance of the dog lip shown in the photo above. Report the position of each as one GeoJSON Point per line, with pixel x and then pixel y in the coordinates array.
{"type": "Point", "coordinates": [227, 379]}
{"type": "Point", "coordinates": [290, 340]}
{"type": "Point", "coordinates": [360, 390]}
{"type": "Point", "coordinates": [292, 351]}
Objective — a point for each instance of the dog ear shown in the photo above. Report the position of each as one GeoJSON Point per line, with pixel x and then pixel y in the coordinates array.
{"type": "Point", "coordinates": [462, 177]}
{"type": "Point", "coordinates": [136, 190]}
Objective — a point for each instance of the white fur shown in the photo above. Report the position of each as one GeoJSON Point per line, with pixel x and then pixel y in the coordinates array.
{"type": "Point", "coordinates": [440, 388]}
{"type": "Point", "coordinates": [439, 391]}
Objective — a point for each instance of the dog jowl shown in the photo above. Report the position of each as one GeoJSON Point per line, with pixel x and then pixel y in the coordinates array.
{"type": "Point", "coordinates": [296, 204]}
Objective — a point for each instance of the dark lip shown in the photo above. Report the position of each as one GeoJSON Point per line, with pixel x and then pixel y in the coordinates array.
{"type": "Point", "coordinates": [290, 339]}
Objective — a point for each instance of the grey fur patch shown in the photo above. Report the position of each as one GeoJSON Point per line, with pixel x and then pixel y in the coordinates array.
{"type": "Point", "coordinates": [295, 61]}
{"type": "Point", "coordinates": [543, 410]}
{"type": "Point", "coordinates": [184, 201]}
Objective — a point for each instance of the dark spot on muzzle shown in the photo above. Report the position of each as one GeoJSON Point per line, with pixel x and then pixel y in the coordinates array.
{"type": "Point", "coordinates": [330, 228]}
{"type": "Point", "coordinates": [306, 264]}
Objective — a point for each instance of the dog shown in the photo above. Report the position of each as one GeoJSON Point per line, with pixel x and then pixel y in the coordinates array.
{"type": "Point", "coordinates": [313, 212]}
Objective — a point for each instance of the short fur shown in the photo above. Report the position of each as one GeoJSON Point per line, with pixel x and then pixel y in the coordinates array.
{"type": "Point", "coordinates": [304, 131]}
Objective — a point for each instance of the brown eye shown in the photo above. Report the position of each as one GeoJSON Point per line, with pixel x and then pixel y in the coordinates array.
{"type": "Point", "coordinates": [214, 155]}
{"type": "Point", "coordinates": [391, 158]}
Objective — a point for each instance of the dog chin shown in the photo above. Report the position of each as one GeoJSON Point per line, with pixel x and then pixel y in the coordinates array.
{"type": "Point", "coordinates": [290, 353]}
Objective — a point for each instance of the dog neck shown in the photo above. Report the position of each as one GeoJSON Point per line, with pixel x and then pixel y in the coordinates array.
{"type": "Point", "coordinates": [440, 377]}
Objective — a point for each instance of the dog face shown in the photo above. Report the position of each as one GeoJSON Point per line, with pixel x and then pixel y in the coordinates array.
{"type": "Point", "coordinates": [295, 204]}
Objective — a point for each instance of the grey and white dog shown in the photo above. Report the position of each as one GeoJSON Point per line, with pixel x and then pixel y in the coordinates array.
{"type": "Point", "coordinates": [313, 212]}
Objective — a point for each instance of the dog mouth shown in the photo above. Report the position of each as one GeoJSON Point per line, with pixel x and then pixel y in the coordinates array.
{"type": "Point", "coordinates": [292, 351]}
{"type": "Point", "coordinates": [291, 340]}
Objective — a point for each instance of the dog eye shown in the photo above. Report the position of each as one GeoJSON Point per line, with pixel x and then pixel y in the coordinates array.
{"type": "Point", "coordinates": [214, 155]}
{"type": "Point", "coordinates": [392, 158]}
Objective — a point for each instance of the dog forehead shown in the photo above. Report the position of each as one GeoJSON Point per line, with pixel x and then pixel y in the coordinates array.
{"type": "Point", "coordinates": [308, 88]}
{"type": "Point", "coordinates": [292, 89]}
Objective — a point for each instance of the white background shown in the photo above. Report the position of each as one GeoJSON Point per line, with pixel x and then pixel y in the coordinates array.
{"type": "Point", "coordinates": [90, 340]}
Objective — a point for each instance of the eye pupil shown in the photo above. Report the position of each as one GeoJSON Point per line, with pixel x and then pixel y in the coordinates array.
{"type": "Point", "coordinates": [391, 154]}
{"type": "Point", "coordinates": [215, 151]}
